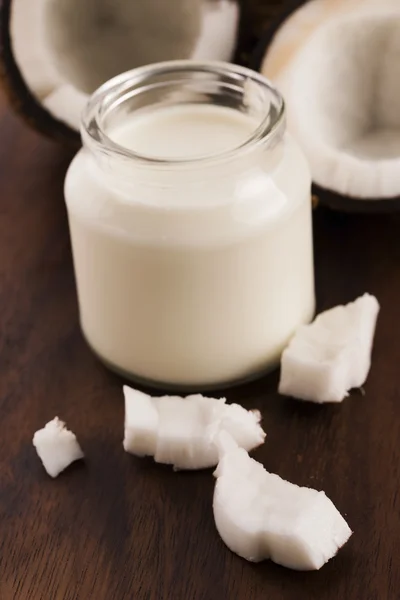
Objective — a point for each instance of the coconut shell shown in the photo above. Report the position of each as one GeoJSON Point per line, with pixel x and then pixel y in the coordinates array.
{"type": "Point", "coordinates": [352, 205]}
{"type": "Point", "coordinates": [19, 95]}
{"type": "Point", "coordinates": [268, 20]}
{"type": "Point", "coordinates": [260, 19]}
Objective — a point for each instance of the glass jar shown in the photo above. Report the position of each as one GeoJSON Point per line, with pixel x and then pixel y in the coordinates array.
{"type": "Point", "coordinates": [190, 218]}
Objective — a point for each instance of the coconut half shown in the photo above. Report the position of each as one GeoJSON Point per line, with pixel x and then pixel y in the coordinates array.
{"type": "Point", "coordinates": [337, 64]}
{"type": "Point", "coordinates": [55, 53]}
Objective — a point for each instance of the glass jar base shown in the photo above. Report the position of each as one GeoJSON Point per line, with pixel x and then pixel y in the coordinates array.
{"type": "Point", "coordinates": [162, 386]}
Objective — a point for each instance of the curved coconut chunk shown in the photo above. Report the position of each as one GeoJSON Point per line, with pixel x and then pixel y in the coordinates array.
{"type": "Point", "coordinates": [57, 447]}
{"type": "Point", "coordinates": [261, 516]}
{"type": "Point", "coordinates": [179, 431]}
{"type": "Point", "coordinates": [65, 49]}
{"type": "Point", "coordinates": [342, 97]}
{"type": "Point", "coordinates": [326, 359]}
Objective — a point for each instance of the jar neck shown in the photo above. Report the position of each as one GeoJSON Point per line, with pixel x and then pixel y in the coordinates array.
{"type": "Point", "coordinates": [179, 84]}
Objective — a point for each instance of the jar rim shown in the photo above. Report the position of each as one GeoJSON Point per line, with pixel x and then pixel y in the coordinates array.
{"type": "Point", "coordinates": [116, 89]}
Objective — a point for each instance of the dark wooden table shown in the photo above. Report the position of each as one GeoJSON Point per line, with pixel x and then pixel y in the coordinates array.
{"type": "Point", "coordinates": [119, 528]}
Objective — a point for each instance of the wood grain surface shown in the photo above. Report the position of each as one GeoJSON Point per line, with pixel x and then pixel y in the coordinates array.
{"type": "Point", "coordinates": [119, 528]}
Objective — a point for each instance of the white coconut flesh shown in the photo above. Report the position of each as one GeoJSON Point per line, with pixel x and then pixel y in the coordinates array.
{"type": "Point", "coordinates": [332, 355]}
{"type": "Point", "coordinates": [65, 49]}
{"type": "Point", "coordinates": [57, 447]}
{"type": "Point", "coordinates": [180, 431]}
{"type": "Point", "coordinates": [337, 64]}
{"type": "Point", "coordinates": [261, 516]}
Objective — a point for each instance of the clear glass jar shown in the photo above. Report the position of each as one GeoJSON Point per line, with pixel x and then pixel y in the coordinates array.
{"type": "Point", "coordinates": [190, 219]}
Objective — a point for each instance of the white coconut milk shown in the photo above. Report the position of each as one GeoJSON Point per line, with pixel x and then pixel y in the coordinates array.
{"type": "Point", "coordinates": [197, 274]}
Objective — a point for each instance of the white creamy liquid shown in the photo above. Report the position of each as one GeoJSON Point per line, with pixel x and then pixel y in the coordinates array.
{"type": "Point", "coordinates": [185, 132]}
{"type": "Point", "coordinates": [197, 276]}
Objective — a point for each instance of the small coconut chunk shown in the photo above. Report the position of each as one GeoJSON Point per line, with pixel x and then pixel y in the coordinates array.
{"type": "Point", "coordinates": [57, 447]}
{"type": "Point", "coordinates": [261, 516]}
{"type": "Point", "coordinates": [326, 359]}
{"type": "Point", "coordinates": [179, 431]}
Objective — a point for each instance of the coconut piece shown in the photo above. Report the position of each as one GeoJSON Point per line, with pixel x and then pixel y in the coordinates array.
{"type": "Point", "coordinates": [332, 355]}
{"type": "Point", "coordinates": [337, 66]}
{"type": "Point", "coordinates": [53, 54]}
{"type": "Point", "coordinates": [57, 447]}
{"type": "Point", "coordinates": [261, 516]}
{"type": "Point", "coordinates": [179, 431]}
{"type": "Point", "coordinates": [141, 423]}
